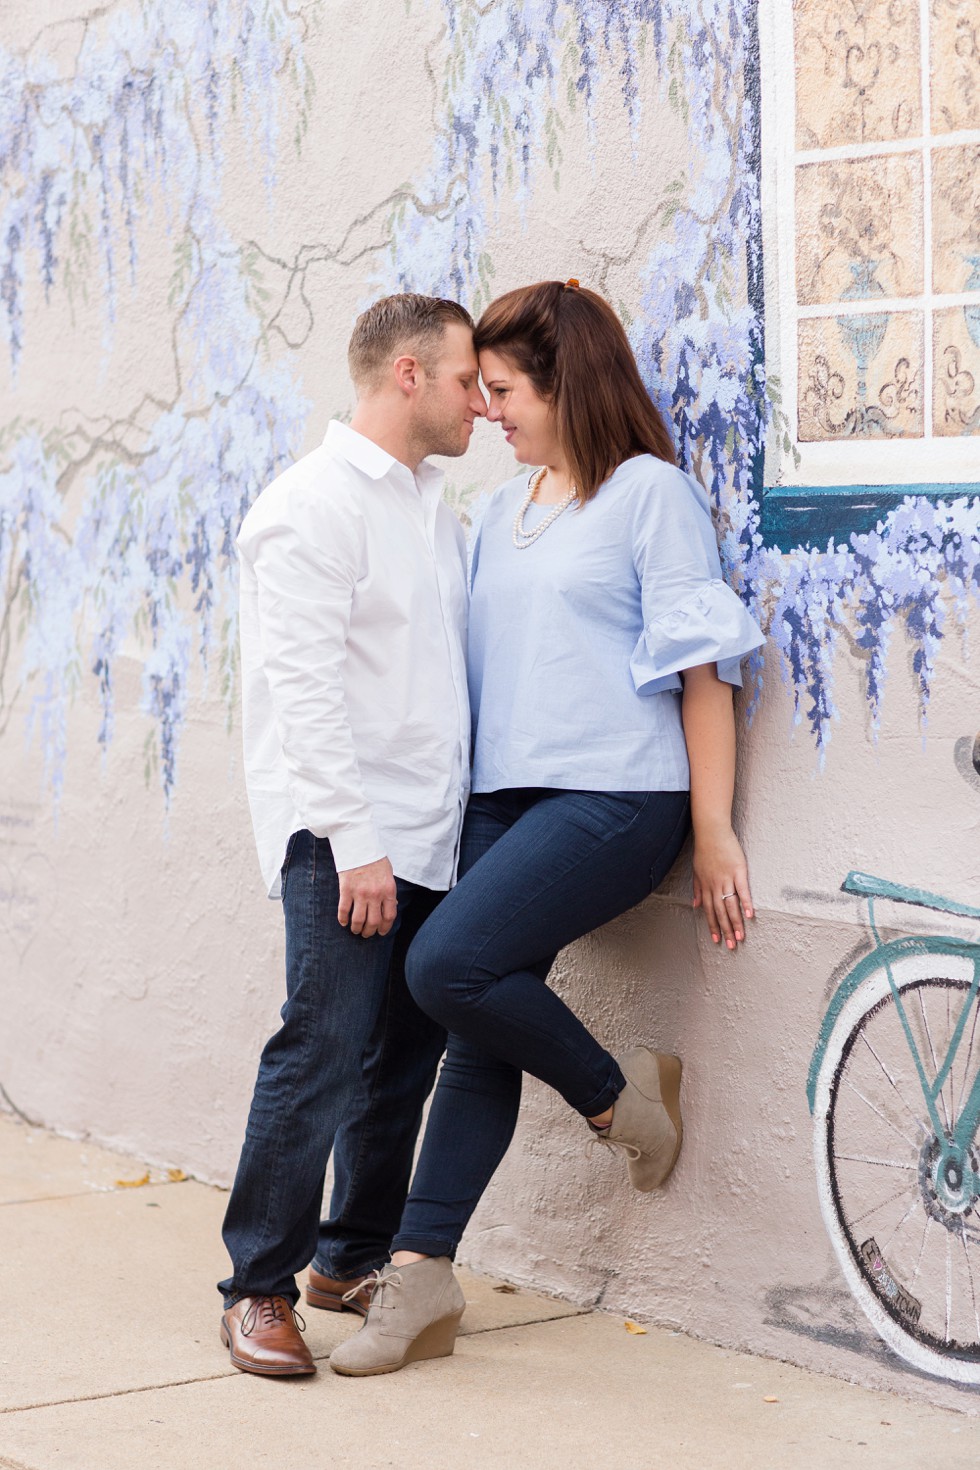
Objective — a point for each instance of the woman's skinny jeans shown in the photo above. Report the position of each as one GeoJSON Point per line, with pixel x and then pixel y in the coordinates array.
{"type": "Point", "coordinates": [540, 868]}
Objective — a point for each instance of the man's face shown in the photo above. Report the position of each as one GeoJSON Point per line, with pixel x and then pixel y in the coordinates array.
{"type": "Point", "coordinates": [450, 401]}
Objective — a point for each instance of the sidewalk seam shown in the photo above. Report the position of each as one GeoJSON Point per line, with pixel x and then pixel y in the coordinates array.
{"type": "Point", "coordinates": [535, 1322]}
{"type": "Point", "coordinates": [92, 1398]}
{"type": "Point", "coordinates": [117, 1393]}
{"type": "Point", "coordinates": [96, 1192]}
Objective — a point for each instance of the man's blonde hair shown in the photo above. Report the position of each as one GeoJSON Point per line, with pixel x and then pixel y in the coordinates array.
{"type": "Point", "coordinates": [396, 325]}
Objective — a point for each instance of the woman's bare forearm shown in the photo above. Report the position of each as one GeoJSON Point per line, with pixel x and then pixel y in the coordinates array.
{"type": "Point", "coordinates": [709, 730]}
{"type": "Point", "coordinates": [721, 883]}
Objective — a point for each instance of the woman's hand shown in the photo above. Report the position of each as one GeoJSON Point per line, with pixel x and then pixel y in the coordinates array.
{"type": "Point", "coordinates": [721, 885]}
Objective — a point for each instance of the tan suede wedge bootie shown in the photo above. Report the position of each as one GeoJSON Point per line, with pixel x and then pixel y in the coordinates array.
{"type": "Point", "coordinates": [646, 1121]}
{"type": "Point", "coordinates": [414, 1314]}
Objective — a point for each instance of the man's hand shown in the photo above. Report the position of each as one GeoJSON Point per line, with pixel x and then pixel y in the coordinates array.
{"type": "Point", "coordinates": [368, 898]}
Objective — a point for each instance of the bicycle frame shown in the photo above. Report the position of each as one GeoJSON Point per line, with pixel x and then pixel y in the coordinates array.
{"type": "Point", "coordinates": [913, 1000]}
{"type": "Point", "coordinates": [956, 1147]}
{"type": "Point", "coordinates": [883, 955]}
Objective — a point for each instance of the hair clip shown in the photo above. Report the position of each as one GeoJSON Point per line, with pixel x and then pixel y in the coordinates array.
{"type": "Point", "coordinates": [572, 283]}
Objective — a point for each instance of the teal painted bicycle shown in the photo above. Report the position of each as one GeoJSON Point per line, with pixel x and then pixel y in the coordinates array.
{"type": "Point", "coordinates": [894, 1089]}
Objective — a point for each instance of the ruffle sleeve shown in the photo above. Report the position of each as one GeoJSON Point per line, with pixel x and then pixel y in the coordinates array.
{"type": "Point", "coordinates": [711, 625]}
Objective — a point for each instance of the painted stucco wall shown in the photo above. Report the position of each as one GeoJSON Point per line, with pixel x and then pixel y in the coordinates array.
{"type": "Point", "coordinates": [196, 202]}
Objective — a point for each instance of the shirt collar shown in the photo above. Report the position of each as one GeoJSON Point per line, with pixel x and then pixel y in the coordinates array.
{"type": "Point", "coordinates": [374, 461]}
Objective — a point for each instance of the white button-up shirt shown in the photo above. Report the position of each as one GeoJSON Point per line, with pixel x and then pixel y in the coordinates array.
{"type": "Point", "coordinates": [353, 636]}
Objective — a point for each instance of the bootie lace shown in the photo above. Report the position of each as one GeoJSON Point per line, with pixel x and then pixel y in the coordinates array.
{"type": "Point", "coordinates": [375, 1284]}
{"type": "Point", "coordinates": [598, 1136]}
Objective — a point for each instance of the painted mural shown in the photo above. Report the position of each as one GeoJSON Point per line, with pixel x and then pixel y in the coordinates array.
{"type": "Point", "coordinates": [84, 157]}
{"type": "Point", "coordinates": [116, 533]}
{"type": "Point", "coordinates": [125, 140]}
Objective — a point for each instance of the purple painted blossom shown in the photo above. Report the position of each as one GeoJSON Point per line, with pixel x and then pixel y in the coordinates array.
{"type": "Point", "coordinates": [699, 346]}
{"type": "Point", "coordinates": [149, 561]}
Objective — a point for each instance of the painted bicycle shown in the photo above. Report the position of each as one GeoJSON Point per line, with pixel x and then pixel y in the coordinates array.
{"type": "Point", "coordinates": [894, 1089]}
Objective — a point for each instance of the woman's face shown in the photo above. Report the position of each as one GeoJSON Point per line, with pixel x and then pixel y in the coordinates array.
{"type": "Point", "coordinates": [527, 419]}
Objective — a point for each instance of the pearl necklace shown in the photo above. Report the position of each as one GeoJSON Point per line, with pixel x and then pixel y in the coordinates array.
{"type": "Point", "coordinates": [523, 539]}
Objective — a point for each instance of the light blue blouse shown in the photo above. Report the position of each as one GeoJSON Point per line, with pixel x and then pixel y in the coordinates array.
{"type": "Point", "coordinates": [576, 642]}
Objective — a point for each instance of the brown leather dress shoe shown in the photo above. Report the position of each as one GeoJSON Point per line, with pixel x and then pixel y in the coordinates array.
{"type": "Point", "coordinates": [324, 1291]}
{"type": "Point", "coordinates": [263, 1336]}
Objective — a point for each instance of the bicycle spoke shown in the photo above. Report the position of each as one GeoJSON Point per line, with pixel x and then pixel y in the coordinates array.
{"type": "Point", "coordinates": [898, 1091]}
{"type": "Point", "coordinates": [922, 1247]}
{"type": "Point", "coordinates": [953, 1057]}
{"type": "Point", "coordinates": [952, 1060]}
{"type": "Point", "coordinates": [912, 1143]}
{"type": "Point", "coordinates": [967, 1074]}
{"type": "Point", "coordinates": [932, 1051]}
{"type": "Point", "coordinates": [973, 1294]}
{"type": "Point", "coordinates": [899, 1194]}
{"type": "Point", "coordinates": [886, 1246]}
{"type": "Point", "coordinates": [880, 1163]}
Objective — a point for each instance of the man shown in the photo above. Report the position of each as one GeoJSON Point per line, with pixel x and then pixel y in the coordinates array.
{"type": "Point", "coordinates": [356, 735]}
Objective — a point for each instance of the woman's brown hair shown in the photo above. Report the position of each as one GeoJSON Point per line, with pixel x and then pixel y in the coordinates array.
{"type": "Point", "coordinates": [572, 346]}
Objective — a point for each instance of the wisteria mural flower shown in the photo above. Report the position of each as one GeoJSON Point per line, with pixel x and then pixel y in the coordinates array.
{"type": "Point", "coordinates": [151, 552]}
{"type": "Point", "coordinates": [699, 342]}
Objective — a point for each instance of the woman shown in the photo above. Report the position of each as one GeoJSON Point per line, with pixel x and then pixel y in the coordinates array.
{"type": "Point", "coordinates": [603, 647]}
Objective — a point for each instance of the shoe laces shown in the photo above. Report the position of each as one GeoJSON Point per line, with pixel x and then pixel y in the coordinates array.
{"type": "Point", "coordinates": [266, 1311]}
{"type": "Point", "coordinates": [375, 1285]}
{"type": "Point", "coordinates": [629, 1149]}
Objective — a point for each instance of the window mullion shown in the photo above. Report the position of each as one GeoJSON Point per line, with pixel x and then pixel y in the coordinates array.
{"type": "Point", "coordinates": [928, 283]}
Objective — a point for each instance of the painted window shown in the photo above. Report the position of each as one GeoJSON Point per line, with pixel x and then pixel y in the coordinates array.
{"type": "Point", "coordinates": [871, 138]}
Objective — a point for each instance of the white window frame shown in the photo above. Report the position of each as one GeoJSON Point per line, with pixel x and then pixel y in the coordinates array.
{"type": "Point", "coordinates": [936, 459]}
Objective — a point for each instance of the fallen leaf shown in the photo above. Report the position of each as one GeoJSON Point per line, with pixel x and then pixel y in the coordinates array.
{"type": "Point", "coordinates": [134, 1183]}
{"type": "Point", "coordinates": [176, 1176]}
{"type": "Point", "coordinates": [770, 1398]}
{"type": "Point", "coordinates": [506, 1289]}
{"type": "Point", "coordinates": [635, 1328]}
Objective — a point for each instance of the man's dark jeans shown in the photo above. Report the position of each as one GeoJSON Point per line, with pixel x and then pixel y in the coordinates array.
{"type": "Point", "coordinates": [349, 1069]}
{"type": "Point", "coordinates": [540, 868]}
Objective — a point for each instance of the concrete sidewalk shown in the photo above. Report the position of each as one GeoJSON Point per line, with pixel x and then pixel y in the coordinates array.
{"type": "Point", "coordinates": [110, 1360]}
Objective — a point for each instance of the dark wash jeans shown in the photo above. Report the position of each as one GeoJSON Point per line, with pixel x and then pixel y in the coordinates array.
{"type": "Point", "coordinates": [540, 868]}
{"type": "Point", "coordinates": [349, 1069]}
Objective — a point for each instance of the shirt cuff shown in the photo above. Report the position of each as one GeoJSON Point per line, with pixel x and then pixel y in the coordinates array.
{"type": "Point", "coordinates": [353, 847]}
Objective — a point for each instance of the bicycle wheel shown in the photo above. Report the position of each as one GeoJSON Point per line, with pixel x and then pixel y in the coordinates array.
{"type": "Point", "coordinates": [907, 1238]}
